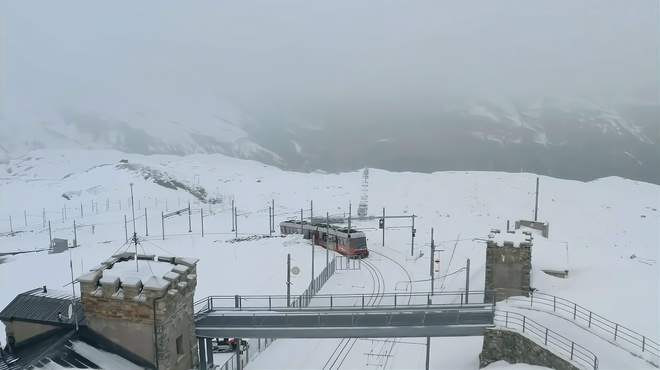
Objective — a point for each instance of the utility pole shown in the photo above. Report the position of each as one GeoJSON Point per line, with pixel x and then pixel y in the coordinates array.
{"type": "Point", "coordinates": [126, 228]}
{"type": "Point", "coordinates": [11, 225]}
{"type": "Point", "coordinates": [25, 216]}
{"type": "Point", "coordinates": [311, 211]}
{"type": "Point", "coordinates": [50, 237]}
{"type": "Point", "coordinates": [349, 220]}
{"type": "Point", "coordinates": [189, 219]}
{"type": "Point", "coordinates": [327, 239]}
{"type": "Point", "coordinates": [43, 217]}
{"type": "Point", "coordinates": [288, 280]}
{"type": "Point", "coordinates": [536, 203]}
{"type": "Point", "coordinates": [81, 211]}
{"type": "Point", "coordinates": [383, 243]}
{"type": "Point", "coordinates": [467, 280]}
{"type": "Point", "coordinates": [146, 223]}
{"type": "Point", "coordinates": [162, 222]}
{"type": "Point", "coordinates": [201, 213]}
{"type": "Point", "coordinates": [428, 352]}
{"type": "Point", "coordinates": [302, 231]}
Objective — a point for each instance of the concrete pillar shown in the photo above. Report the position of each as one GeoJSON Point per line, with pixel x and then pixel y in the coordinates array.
{"type": "Point", "coordinates": [201, 344]}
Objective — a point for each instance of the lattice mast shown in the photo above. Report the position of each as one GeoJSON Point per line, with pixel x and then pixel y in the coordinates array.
{"type": "Point", "coordinates": [364, 195]}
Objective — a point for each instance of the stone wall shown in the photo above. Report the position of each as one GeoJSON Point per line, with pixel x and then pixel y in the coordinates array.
{"type": "Point", "coordinates": [145, 317]}
{"type": "Point", "coordinates": [515, 348]}
{"type": "Point", "coordinates": [508, 269]}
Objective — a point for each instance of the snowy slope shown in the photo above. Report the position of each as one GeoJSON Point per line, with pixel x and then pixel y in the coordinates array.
{"type": "Point", "coordinates": [610, 226]}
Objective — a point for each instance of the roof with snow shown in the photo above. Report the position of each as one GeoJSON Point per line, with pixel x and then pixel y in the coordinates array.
{"type": "Point", "coordinates": [43, 306]}
{"type": "Point", "coordinates": [66, 349]}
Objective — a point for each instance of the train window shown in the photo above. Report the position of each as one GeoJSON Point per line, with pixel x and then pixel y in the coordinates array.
{"type": "Point", "coordinates": [359, 243]}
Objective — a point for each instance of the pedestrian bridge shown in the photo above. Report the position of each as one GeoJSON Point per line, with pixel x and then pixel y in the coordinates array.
{"type": "Point", "coordinates": [344, 315]}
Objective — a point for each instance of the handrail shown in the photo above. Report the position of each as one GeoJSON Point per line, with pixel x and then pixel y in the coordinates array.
{"type": "Point", "coordinates": [551, 339]}
{"type": "Point", "coordinates": [631, 339]}
{"type": "Point", "coordinates": [338, 301]}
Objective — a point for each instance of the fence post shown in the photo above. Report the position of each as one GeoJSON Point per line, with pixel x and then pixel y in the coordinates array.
{"type": "Point", "coordinates": [331, 302]}
{"type": "Point", "coordinates": [616, 330]}
{"type": "Point", "coordinates": [589, 318]}
{"type": "Point", "coordinates": [574, 310]}
{"type": "Point", "coordinates": [269, 304]}
{"type": "Point", "coordinates": [546, 336]}
{"type": "Point", "coordinates": [554, 303]}
{"type": "Point", "coordinates": [531, 299]}
{"type": "Point", "coordinates": [572, 345]}
{"type": "Point", "coordinates": [363, 301]}
{"type": "Point", "coordinates": [506, 320]}
{"type": "Point", "coordinates": [394, 299]}
{"type": "Point", "coordinates": [643, 342]}
{"type": "Point", "coordinates": [524, 317]}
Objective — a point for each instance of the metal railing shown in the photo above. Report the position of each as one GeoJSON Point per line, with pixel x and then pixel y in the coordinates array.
{"type": "Point", "coordinates": [596, 323]}
{"type": "Point", "coordinates": [341, 301]}
{"type": "Point", "coordinates": [553, 341]}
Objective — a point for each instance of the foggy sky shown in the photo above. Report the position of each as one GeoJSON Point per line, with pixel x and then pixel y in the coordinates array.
{"type": "Point", "coordinates": [306, 56]}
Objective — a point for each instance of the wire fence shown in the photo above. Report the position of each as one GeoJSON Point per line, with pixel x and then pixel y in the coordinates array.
{"type": "Point", "coordinates": [250, 354]}
{"type": "Point", "coordinates": [597, 324]}
{"type": "Point", "coordinates": [553, 341]}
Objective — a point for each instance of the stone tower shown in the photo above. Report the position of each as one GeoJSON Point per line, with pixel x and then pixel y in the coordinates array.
{"type": "Point", "coordinates": [144, 308]}
{"type": "Point", "coordinates": [508, 265]}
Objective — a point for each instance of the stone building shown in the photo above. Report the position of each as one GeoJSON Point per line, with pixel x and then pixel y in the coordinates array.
{"type": "Point", "coordinates": [147, 310]}
{"type": "Point", "coordinates": [508, 264]}
{"type": "Point", "coordinates": [137, 313]}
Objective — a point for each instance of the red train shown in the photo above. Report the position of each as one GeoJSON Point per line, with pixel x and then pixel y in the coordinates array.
{"type": "Point", "coordinates": [351, 243]}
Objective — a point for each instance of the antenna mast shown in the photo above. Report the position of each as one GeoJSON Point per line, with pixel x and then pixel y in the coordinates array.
{"type": "Point", "coordinates": [135, 239]}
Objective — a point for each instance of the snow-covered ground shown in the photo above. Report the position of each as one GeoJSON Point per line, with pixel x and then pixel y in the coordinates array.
{"type": "Point", "coordinates": [607, 231]}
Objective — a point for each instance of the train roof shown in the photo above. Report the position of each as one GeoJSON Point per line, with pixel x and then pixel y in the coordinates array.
{"type": "Point", "coordinates": [340, 229]}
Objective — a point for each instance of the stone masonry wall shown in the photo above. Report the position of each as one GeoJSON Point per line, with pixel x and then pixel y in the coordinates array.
{"type": "Point", "coordinates": [123, 311]}
{"type": "Point", "coordinates": [508, 270]}
{"type": "Point", "coordinates": [515, 348]}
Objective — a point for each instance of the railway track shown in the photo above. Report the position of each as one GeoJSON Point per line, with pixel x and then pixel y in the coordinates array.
{"type": "Point", "coordinates": [345, 345]}
{"type": "Point", "coordinates": [387, 352]}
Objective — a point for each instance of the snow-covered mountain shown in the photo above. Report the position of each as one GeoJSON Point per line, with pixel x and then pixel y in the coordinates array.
{"type": "Point", "coordinates": [143, 131]}
{"type": "Point", "coordinates": [574, 139]}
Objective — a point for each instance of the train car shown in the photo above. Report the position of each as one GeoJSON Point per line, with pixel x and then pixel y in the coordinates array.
{"type": "Point", "coordinates": [351, 243]}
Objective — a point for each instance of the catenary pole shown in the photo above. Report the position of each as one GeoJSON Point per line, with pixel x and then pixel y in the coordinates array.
{"type": "Point", "coordinates": [467, 280]}
{"type": "Point", "coordinates": [288, 280]}
{"type": "Point", "coordinates": [189, 219]}
{"type": "Point", "coordinates": [383, 243]}
{"type": "Point", "coordinates": [536, 203]}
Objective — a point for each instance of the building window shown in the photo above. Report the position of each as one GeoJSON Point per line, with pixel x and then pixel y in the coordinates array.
{"type": "Point", "coordinates": [179, 345]}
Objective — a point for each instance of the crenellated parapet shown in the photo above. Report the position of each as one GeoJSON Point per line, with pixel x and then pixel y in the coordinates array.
{"type": "Point", "coordinates": [103, 282]}
{"type": "Point", "coordinates": [144, 306]}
